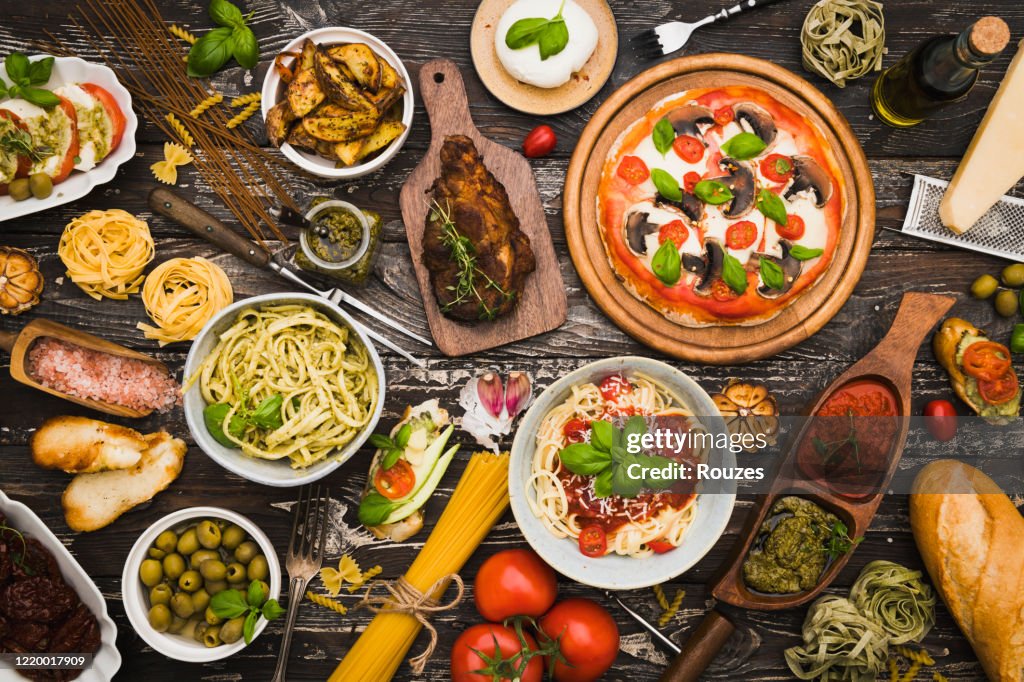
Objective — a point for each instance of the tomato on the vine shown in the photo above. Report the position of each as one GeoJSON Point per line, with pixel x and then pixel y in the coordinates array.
{"type": "Point", "coordinates": [494, 653]}
{"type": "Point", "coordinates": [514, 582]}
{"type": "Point", "coordinates": [587, 636]}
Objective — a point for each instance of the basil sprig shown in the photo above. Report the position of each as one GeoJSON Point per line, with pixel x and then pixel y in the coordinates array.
{"type": "Point", "coordinates": [24, 76]}
{"type": "Point", "coordinates": [771, 206]}
{"type": "Point", "coordinates": [230, 604]}
{"type": "Point", "coordinates": [772, 275]}
{"type": "Point", "coordinates": [234, 38]}
{"type": "Point", "coordinates": [743, 146]}
{"type": "Point", "coordinates": [550, 35]}
{"type": "Point", "coordinates": [666, 264]}
{"type": "Point", "coordinates": [266, 415]}
{"type": "Point", "coordinates": [393, 447]}
{"type": "Point", "coordinates": [734, 274]}
{"type": "Point", "coordinates": [663, 136]}
{"type": "Point", "coordinates": [803, 253]}
{"type": "Point", "coordinates": [713, 192]}
{"type": "Point", "coordinates": [667, 185]}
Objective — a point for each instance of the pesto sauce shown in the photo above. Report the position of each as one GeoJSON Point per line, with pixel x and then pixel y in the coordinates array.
{"type": "Point", "coordinates": [359, 271]}
{"type": "Point", "coordinates": [344, 234]}
{"type": "Point", "coordinates": [789, 552]}
{"type": "Point", "coordinates": [94, 126]}
{"type": "Point", "coordinates": [50, 131]}
{"type": "Point", "coordinates": [8, 161]}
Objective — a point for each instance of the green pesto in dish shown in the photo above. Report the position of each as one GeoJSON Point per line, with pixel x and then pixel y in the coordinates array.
{"type": "Point", "coordinates": [344, 233]}
{"type": "Point", "coordinates": [789, 554]}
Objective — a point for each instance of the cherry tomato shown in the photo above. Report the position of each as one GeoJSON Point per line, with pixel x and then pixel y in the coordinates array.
{"type": "Point", "coordinates": [502, 647]}
{"type": "Point", "coordinates": [661, 546]}
{"type": "Point", "coordinates": [940, 418]}
{"type": "Point", "coordinates": [999, 391]}
{"type": "Point", "coordinates": [575, 430]}
{"type": "Point", "coordinates": [724, 115]}
{"type": "Point", "coordinates": [514, 582]}
{"type": "Point", "coordinates": [675, 230]}
{"type": "Point", "coordinates": [793, 229]}
{"type": "Point", "coordinates": [588, 638]}
{"type": "Point", "coordinates": [688, 148]}
{"type": "Point", "coordinates": [395, 482]}
{"type": "Point", "coordinates": [722, 292]}
{"type": "Point", "coordinates": [690, 181]}
{"type": "Point", "coordinates": [539, 142]}
{"type": "Point", "coordinates": [740, 235]}
{"type": "Point", "coordinates": [986, 360]}
{"type": "Point", "coordinates": [615, 385]}
{"type": "Point", "coordinates": [593, 541]}
{"type": "Point", "coordinates": [633, 170]}
{"type": "Point", "coordinates": [777, 167]}
{"type": "Point", "coordinates": [114, 113]}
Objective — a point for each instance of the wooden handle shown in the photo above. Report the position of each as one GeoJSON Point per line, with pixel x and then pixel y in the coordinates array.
{"type": "Point", "coordinates": [202, 224]}
{"type": "Point", "coordinates": [444, 95]}
{"type": "Point", "coordinates": [7, 340]}
{"type": "Point", "coordinates": [700, 649]}
{"type": "Point", "coordinates": [917, 314]}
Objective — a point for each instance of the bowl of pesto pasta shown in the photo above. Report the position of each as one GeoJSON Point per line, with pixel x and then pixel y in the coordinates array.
{"type": "Point", "coordinates": [282, 389]}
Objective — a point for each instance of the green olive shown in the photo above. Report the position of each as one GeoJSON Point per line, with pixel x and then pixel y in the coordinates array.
{"type": "Point", "coordinates": [1013, 275]}
{"type": "Point", "coordinates": [246, 551]}
{"type": "Point", "coordinates": [212, 569]}
{"type": "Point", "coordinates": [188, 543]}
{"type": "Point", "coordinates": [166, 541]}
{"type": "Point", "coordinates": [19, 189]}
{"type": "Point", "coordinates": [1006, 303]}
{"type": "Point", "coordinates": [211, 617]}
{"type": "Point", "coordinates": [41, 185]}
{"type": "Point", "coordinates": [235, 573]}
{"type": "Point", "coordinates": [215, 586]}
{"type": "Point", "coordinates": [181, 604]}
{"type": "Point", "coordinates": [211, 636]}
{"type": "Point", "coordinates": [199, 630]}
{"type": "Point", "coordinates": [231, 631]}
{"type": "Point", "coordinates": [151, 572]}
{"type": "Point", "coordinates": [200, 599]}
{"type": "Point", "coordinates": [160, 594]}
{"type": "Point", "coordinates": [156, 553]}
{"type": "Point", "coordinates": [177, 625]}
{"type": "Point", "coordinates": [197, 559]}
{"type": "Point", "coordinates": [231, 538]}
{"type": "Point", "coordinates": [160, 617]}
{"type": "Point", "coordinates": [258, 568]}
{"type": "Point", "coordinates": [190, 581]}
{"type": "Point", "coordinates": [208, 534]}
{"type": "Point", "coordinates": [984, 287]}
{"type": "Point", "coordinates": [174, 566]}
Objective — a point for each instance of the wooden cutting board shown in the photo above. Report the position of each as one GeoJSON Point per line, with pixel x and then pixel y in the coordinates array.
{"type": "Point", "coordinates": [542, 306]}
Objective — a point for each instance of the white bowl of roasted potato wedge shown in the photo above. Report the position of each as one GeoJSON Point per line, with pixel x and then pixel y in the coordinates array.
{"type": "Point", "coordinates": [337, 102]}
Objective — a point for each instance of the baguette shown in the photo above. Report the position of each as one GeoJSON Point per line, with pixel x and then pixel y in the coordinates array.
{"type": "Point", "coordinates": [970, 535]}
{"type": "Point", "coordinates": [945, 344]}
{"type": "Point", "coordinates": [80, 445]}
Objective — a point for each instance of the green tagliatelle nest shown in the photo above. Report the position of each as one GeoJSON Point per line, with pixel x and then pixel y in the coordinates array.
{"type": "Point", "coordinates": [843, 39]}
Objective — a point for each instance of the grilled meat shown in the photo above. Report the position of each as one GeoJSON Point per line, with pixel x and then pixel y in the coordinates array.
{"type": "Point", "coordinates": [477, 256]}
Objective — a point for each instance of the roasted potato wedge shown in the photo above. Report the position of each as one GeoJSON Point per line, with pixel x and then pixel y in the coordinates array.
{"type": "Point", "coordinates": [279, 121]}
{"type": "Point", "coordinates": [304, 93]}
{"type": "Point", "coordinates": [361, 62]}
{"type": "Point", "coordinates": [385, 99]}
{"type": "Point", "coordinates": [338, 89]}
{"type": "Point", "coordinates": [348, 152]}
{"type": "Point", "coordinates": [341, 128]}
{"type": "Point", "coordinates": [306, 58]}
{"type": "Point", "coordinates": [384, 134]}
{"type": "Point", "coordinates": [389, 78]}
{"type": "Point", "coordinates": [299, 138]}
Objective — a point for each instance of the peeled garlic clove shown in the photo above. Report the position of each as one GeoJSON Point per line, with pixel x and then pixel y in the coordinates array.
{"type": "Point", "coordinates": [517, 393]}
{"type": "Point", "coordinates": [488, 389]}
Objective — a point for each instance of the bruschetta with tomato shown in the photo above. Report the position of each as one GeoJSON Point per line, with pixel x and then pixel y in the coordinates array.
{"type": "Point", "coordinates": [980, 370]}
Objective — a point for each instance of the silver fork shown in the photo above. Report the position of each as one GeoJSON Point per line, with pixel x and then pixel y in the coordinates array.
{"type": "Point", "coordinates": [667, 38]}
{"type": "Point", "coordinates": [305, 556]}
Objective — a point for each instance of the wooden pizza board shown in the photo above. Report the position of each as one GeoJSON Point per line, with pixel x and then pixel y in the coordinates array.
{"type": "Point", "coordinates": [726, 344]}
{"type": "Point", "coordinates": [542, 306]}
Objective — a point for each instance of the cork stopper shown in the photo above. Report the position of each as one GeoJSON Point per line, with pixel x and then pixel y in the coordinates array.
{"type": "Point", "coordinates": [989, 36]}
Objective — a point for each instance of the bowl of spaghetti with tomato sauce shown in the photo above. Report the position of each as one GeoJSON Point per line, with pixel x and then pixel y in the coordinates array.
{"type": "Point", "coordinates": [599, 487]}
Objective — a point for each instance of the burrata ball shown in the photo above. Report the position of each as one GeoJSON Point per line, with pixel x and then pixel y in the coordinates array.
{"type": "Point", "coordinates": [525, 63]}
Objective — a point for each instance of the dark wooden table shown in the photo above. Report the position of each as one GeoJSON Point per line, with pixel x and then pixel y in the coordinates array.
{"type": "Point", "coordinates": [419, 31]}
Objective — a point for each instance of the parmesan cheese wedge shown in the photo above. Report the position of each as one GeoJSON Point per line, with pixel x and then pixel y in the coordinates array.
{"type": "Point", "coordinates": [994, 161]}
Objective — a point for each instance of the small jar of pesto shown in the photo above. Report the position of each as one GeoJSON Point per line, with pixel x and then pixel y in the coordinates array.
{"type": "Point", "coordinates": [341, 242]}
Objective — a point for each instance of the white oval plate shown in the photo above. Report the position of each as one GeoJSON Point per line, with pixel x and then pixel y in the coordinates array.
{"type": "Point", "coordinates": [107, 660]}
{"type": "Point", "coordinates": [78, 184]}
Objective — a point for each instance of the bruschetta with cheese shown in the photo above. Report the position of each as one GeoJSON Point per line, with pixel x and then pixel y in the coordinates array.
{"type": "Point", "coordinates": [980, 370]}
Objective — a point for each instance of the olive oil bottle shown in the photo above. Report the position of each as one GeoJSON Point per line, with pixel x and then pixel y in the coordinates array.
{"type": "Point", "coordinates": [940, 70]}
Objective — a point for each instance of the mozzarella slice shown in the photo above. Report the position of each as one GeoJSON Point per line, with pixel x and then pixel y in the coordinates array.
{"type": "Point", "coordinates": [95, 129]}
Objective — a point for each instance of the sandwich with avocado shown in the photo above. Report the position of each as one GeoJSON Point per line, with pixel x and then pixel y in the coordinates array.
{"type": "Point", "coordinates": [980, 370]}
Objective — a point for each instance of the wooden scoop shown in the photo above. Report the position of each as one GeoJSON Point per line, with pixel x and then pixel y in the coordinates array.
{"type": "Point", "coordinates": [19, 343]}
{"type": "Point", "coordinates": [891, 365]}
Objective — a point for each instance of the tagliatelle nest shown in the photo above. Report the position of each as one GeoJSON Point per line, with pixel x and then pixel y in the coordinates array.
{"type": "Point", "coordinates": [748, 409]}
{"type": "Point", "coordinates": [843, 39]}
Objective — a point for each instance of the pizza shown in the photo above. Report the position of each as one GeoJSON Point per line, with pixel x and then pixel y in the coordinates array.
{"type": "Point", "coordinates": [720, 206]}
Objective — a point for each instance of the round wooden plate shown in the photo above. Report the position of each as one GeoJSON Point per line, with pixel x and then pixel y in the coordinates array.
{"type": "Point", "coordinates": [726, 344]}
{"type": "Point", "coordinates": [543, 101]}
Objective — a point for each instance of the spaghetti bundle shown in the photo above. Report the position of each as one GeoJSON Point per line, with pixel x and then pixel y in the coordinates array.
{"type": "Point", "coordinates": [479, 499]}
{"type": "Point", "coordinates": [105, 252]}
{"type": "Point", "coordinates": [181, 295]}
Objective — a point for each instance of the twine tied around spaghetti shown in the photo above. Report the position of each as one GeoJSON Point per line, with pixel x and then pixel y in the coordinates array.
{"type": "Point", "coordinates": [403, 597]}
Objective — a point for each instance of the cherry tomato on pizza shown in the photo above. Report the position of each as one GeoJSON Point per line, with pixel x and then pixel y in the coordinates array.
{"type": "Point", "coordinates": [793, 229]}
{"type": "Point", "coordinates": [676, 231]}
{"type": "Point", "coordinates": [741, 235]}
{"type": "Point", "coordinates": [690, 181]}
{"type": "Point", "coordinates": [777, 167]}
{"type": "Point", "coordinates": [724, 115]}
{"type": "Point", "coordinates": [688, 148]}
{"type": "Point", "coordinates": [633, 170]}
{"type": "Point", "coordinates": [722, 292]}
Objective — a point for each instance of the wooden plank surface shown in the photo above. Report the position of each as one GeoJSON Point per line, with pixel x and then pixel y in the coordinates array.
{"type": "Point", "coordinates": [421, 30]}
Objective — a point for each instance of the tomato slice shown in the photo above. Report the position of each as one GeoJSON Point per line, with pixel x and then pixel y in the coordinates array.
{"type": "Point", "coordinates": [777, 167]}
{"type": "Point", "coordinates": [117, 120]}
{"type": "Point", "coordinates": [987, 360]}
{"type": "Point", "coordinates": [24, 162]}
{"type": "Point", "coordinates": [661, 546]}
{"type": "Point", "coordinates": [614, 386]}
{"type": "Point", "coordinates": [593, 541]}
{"type": "Point", "coordinates": [633, 170]}
{"type": "Point", "coordinates": [674, 230]}
{"type": "Point", "coordinates": [575, 430]}
{"type": "Point", "coordinates": [395, 482]}
{"type": "Point", "coordinates": [741, 235]}
{"type": "Point", "coordinates": [999, 391]}
{"type": "Point", "coordinates": [690, 181]}
{"type": "Point", "coordinates": [724, 115]}
{"type": "Point", "coordinates": [722, 292]}
{"type": "Point", "coordinates": [71, 151]}
{"type": "Point", "coordinates": [793, 229]}
{"type": "Point", "coordinates": [688, 148]}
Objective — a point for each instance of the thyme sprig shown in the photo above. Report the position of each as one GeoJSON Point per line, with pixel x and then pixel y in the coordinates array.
{"type": "Point", "coordinates": [19, 559]}
{"type": "Point", "coordinates": [19, 142]}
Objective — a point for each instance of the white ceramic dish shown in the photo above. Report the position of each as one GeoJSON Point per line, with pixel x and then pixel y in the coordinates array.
{"type": "Point", "coordinates": [107, 660]}
{"type": "Point", "coordinates": [267, 472]}
{"type": "Point", "coordinates": [135, 594]}
{"type": "Point", "coordinates": [612, 571]}
{"type": "Point", "coordinates": [273, 90]}
{"type": "Point", "coordinates": [78, 184]}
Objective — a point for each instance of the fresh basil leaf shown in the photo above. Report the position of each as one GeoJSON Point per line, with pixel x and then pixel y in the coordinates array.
{"type": "Point", "coordinates": [803, 253]}
{"type": "Point", "coordinates": [374, 509]}
{"type": "Point", "coordinates": [743, 146]}
{"type": "Point", "coordinates": [210, 52]}
{"type": "Point", "coordinates": [228, 604]}
{"type": "Point", "coordinates": [525, 32]}
{"type": "Point", "coordinates": [657, 462]}
{"type": "Point", "coordinates": [712, 192]}
{"type": "Point", "coordinates": [3, 89]}
{"type": "Point", "coordinates": [17, 66]}
{"type": "Point", "coordinates": [619, 452]}
{"type": "Point", "coordinates": [666, 263]}
{"type": "Point", "coordinates": [603, 484]}
{"type": "Point", "coordinates": [635, 426]}
{"type": "Point", "coordinates": [403, 435]}
{"type": "Point", "coordinates": [664, 135]}
{"type": "Point", "coordinates": [584, 459]}
{"type": "Point", "coordinates": [602, 435]}
{"type": "Point", "coordinates": [272, 610]}
{"type": "Point", "coordinates": [668, 186]}
{"type": "Point", "coordinates": [771, 206]}
{"type": "Point", "coordinates": [771, 275]}
{"type": "Point", "coordinates": [553, 39]}
{"type": "Point", "coordinates": [224, 13]}
{"type": "Point", "coordinates": [381, 442]}
{"type": "Point", "coordinates": [390, 458]}
{"type": "Point", "coordinates": [734, 274]}
{"type": "Point", "coordinates": [246, 50]}
{"type": "Point", "coordinates": [39, 71]}
{"type": "Point", "coordinates": [255, 596]}
{"type": "Point", "coordinates": [267, 414]}
{"type": "Point", "coordinates": [249, 627]}
{"type": "Point", "coordinates": [40, 97]}
{"type": "Point", "coordinates": [622, 483]}
{"type": "Point", "coordinates": [213, 417]}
